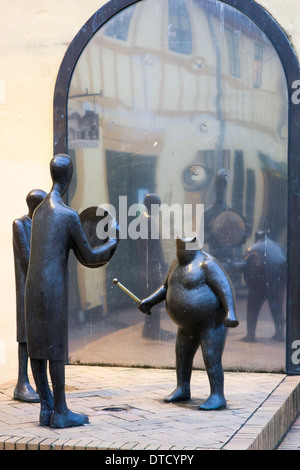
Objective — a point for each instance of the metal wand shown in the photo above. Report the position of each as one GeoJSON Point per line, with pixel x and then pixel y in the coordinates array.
{"type": "Point", "coordinates": [128, 292]}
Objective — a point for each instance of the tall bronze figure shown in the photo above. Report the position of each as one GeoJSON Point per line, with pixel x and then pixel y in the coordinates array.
{"type": "Point", "coordinates": [200, 300]}
{"type": "Point", "coordinates": [56, 229]}
{"type": "Point", "coordinates": [21, 247]}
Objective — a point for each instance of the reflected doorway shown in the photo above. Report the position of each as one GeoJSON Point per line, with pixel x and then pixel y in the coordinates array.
{"type": "Point", "coordinates": [134, 176]}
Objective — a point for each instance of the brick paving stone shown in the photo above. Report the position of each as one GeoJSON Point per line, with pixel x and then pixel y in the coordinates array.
{"type": "Point", "coordinates": [59, 444]}
{"type": "Point", "coordinates": [22, 443]}
{"type": "Point", "coordinates": [83, 443]}
{"type": "Point", "coordinates": [116, 445]}
{"type": "Point", "coordinates": [10, 444]}
{"type": "Point", "coordinates": [129, 446]}
{"type": "Point", "coordinates": [35, 443]}
{"type": "Point", "coordinates": [47, 444]}
{"type": "Point", "coordinates": [105, 445]}
{"type": "Point", "coordinates": [150, 447]}
{"type": "Point", "coordinates": [93, 445]}
{"type": "Point", "coordinates": [141, 446]}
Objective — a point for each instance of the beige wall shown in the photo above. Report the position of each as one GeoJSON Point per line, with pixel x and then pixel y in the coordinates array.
{"type": "Point", "coordinates": [34, 35]}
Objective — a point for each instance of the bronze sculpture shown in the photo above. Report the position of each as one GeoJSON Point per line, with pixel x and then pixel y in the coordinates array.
{"type": "Point", "coordinates": [56, 229]}
{"type": "Point", "coordinates": [21, 248]}
{"type": "Point", "coordinates": [200, 300]}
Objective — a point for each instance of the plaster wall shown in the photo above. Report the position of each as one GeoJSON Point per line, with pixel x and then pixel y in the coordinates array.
{"type": "Point", "coordinates": [34, 36]}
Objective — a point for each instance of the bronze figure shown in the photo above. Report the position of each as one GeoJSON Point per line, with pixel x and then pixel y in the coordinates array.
{"type": "Point", "coordinates": [21, 248]}
{"type": "Point", "coordinates": [56, 229]}
{"type": "Point", "coordinates": [200, 300]}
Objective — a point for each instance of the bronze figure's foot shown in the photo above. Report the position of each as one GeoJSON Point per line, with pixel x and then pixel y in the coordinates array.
{"type": "Point", "coordinates": [214, 402]}
{"type": "Point", "coordinates": [26, 393]}
{"type": "Point", "coordinates": [179, 394]}
{"type": "Point", "coordinates": [67, 420]}
{"type": "Point", "coordinates": [45, 415]}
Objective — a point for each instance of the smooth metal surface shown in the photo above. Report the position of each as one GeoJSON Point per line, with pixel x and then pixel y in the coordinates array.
{"type": "Point", "coordinates": [231, 106]}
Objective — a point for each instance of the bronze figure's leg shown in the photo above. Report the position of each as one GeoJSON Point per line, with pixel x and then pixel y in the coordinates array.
{"type": "Point", "coordinates": [212, 344]}
{"type": "Point", "coordinates": [23, 390]}
{"type": "Point", "coordinates": [39, 370]}
{"type": "Point", "coordinates": [186, 347]}
{"type": "Point", "coordinates": [62, 417]}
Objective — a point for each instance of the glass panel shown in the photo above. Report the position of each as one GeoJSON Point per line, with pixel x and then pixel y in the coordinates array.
{"type": "Point", "coordinates": [187, 101]}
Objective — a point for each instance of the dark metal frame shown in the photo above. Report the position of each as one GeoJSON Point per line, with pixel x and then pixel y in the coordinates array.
{"type": "Point", "coordinates": [290, 65]}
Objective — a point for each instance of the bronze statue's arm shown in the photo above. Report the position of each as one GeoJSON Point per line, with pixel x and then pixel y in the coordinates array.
{"type": "Point", "coordinates": [20, 244]}
{"type": "Point", "coordinates": [159, 295]}
{"type": "Point", "coordinates": [220, 283]}
{"type": "Point", "coordinates": [87, 255]}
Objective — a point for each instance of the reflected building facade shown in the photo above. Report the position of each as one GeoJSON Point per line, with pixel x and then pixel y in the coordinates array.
{"type": "Point", "coordinates": [184, 99]}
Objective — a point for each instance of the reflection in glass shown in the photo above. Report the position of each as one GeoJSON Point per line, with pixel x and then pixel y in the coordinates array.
{"type": "Point", "coordinates": [234, 51]}
{"type": "Point", "coordinates": [187, 100]}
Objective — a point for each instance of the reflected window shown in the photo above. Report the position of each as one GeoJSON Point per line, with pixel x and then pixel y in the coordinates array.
{"type": "Point", "coordinates": [258, 62]}
{"type": "Point", "coordinates": [234, 52]}
{"type": "Point", "coordinates": [118, 27]}
{"type": "Point", "coordinates": [180, 35]}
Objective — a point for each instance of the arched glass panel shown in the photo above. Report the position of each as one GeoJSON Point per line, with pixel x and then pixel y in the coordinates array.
{"type": "Point", "coordinates": [187, 100]}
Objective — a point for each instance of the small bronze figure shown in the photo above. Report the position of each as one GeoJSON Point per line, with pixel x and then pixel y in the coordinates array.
{"type": "Point", "coordinates": [21, 247]}
{"type": "Point", "coordinates": [56, 229]}
{"type": "Point", "coordinates": [200, 300]}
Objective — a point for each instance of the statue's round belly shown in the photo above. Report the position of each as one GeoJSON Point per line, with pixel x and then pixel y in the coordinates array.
{"type": "Point", "coordinates": [192, 307]}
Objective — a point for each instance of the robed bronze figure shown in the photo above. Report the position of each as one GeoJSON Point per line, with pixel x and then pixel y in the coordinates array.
{"type": "Point", "coordinates": [21, 247]}
{"type": "Point", "coordinates": [56, 229]}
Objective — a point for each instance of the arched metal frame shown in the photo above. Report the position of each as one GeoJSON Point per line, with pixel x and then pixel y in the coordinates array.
{"type": "Point", "coordinates": [290, 64]}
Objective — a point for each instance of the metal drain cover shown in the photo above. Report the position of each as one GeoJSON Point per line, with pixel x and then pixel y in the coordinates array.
{"type": "Point", "coordinates": [114, 409]}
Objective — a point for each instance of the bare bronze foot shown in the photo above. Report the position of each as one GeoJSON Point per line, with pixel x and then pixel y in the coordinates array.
{"type": "Point", "coordinates": [24, 392]}
{"type": "Point", "coordinates": [179, 394]}
{"type": "Point", "coordinates": [214, 402]}
{"type": "Point", "coordinates": [67, 419]}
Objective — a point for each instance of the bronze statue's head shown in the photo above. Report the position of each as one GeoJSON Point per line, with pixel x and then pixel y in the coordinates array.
{"type": "Point", "coordinates": [61, 169]}
{"type": "Point", "coordinates": [187, 248]}
{"type": "Point", "coordinates": [33, 200]}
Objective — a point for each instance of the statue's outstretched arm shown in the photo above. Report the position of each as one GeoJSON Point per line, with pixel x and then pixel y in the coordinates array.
{"type": "Point", "coordinates": [91, 257]}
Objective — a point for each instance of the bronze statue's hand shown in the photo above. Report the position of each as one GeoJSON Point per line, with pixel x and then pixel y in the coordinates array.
{"type": "Point", "coordinates": [231, 321]}
{"type": "Point", "coordinates": [144, 306]}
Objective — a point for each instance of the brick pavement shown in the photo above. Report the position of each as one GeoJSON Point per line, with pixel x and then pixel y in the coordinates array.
{"type": "Point", "coordinates": [291, 441]}
{"type": "Point", "coordinates": [126, 411]}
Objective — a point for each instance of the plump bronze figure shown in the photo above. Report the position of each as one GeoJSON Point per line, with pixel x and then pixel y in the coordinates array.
{"type": "Point", "coordinates": [200, 300]}
{"type": "Point", "coordinates": [21, 247]}
{"type": "Point", "coordinates": [56, 229]}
